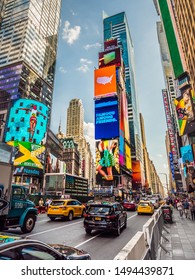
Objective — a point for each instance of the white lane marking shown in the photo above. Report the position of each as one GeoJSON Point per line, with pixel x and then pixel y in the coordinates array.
{"type": "Point", "coordinates": [52, 229]}
{"type": "Point", "coordinates": [87, 240]}
{"type": "Point", "coordinates": [96, 235]}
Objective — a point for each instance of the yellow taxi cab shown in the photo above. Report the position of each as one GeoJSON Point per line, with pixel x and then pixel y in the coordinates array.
{"type": "Point", "coordinates": [65, 208]}
{"type": "Point", "coordinates": [145, 207]}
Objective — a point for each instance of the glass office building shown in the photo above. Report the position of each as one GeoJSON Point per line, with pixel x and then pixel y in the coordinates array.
{"type": "Point", "coordinates": [116, 26]}
{"type": "Point", "coordinates": [28, 46]}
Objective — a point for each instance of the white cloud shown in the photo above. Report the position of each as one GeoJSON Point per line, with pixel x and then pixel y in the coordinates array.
{"type": "Point", "coordinates": [73, 13]}
{"type": "Point", "coordinates": [83, 68]}
{"type": "Point", "coordinates": [89, 135]}
{"type": "Point", "coordinates": [89, 46]}
{"type": "Point", "coordinates": [159, 155]}
{"type": "Point", "coordinates": [70, 34]}
{"type": "Point", "coordinates": [84, 60]}
{"type": "Point", "coordinates": [62, 70]}
{"type": "Point", "coordinates": [84, 65]}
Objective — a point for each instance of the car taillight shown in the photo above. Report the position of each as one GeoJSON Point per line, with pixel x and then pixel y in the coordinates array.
{"type": "Point", "coordinates": [111, 217]}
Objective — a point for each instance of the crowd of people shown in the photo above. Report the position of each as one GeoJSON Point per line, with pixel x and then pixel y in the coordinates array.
{"type": "Point", "coordinates": [185, 206]}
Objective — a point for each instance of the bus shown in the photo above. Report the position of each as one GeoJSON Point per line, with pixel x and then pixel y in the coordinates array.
{"type": "Point", "coordinates": [62, 184]}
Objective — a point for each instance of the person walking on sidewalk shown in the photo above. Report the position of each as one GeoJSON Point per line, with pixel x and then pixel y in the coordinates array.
{"type": "Point", "coordinates": [192, 209]}
{"type": "Point", "coordinates": [186, 208]}
{"type": "Point", "coordinates": [180, 208]}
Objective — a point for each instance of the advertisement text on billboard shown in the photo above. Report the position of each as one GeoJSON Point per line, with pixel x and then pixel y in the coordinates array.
{"type": "Point", "coordinates": [106, 116]}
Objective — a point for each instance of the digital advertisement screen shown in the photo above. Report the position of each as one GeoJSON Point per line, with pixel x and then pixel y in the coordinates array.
{"type": "Point", "coordinates": [128, 156]}
{"type": "Point", "coordinates": [27, 122]}
{"type": "Point", "coordinates": [106, 116]}
{"type": "Point", "coordinates": [107, 160]}
{"type": "Point", "coordinates": [110, 44]}
{"type": "Point", "coordinates": [185, 112]}
{"type": "Point", "coordinates": [28, 154]}
{"type": "Point", "coordinates": [136, 171]}
{"type": "Point", "coordinates": [112, 57]}
{"type": "Point", "coordinates": [187, 154]}
{"type": "Point", "coordinates": [105, 81]}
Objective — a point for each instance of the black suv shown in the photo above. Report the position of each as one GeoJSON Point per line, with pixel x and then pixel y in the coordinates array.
{"type": "Point", "coordinates": [109, 216]}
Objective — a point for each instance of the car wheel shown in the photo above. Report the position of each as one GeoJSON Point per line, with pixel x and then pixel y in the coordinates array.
{"type": "Point", "coordinates": [52, 218]}
{"type": "Point", "coordinates": [88, 230]}
{"type": "Point", "coordinates": [118, 230]}
{"type": "Point", "coordinates": [29, 223]}
{"type": "Point", "coordinates": [70, 216]}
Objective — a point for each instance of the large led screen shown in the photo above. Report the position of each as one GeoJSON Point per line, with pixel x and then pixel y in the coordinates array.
{"type": "Point", "coordinates": [105, 81]}
{"type": "Point", "coordinates": [28, 154]}
{"type": "Point", "coordinates": [136, 172]}
{"type": "Point", "coordinates": [187, 155]}
{"type": "Point", "coordinates": [112, 57]}
{"type": "Point", "coordinates": [106, 118]}
{"type": "Point", "coordinates": [128, 157]}
{"type": "Point", "coordinates": [27, 122]}
{"type": "Point", "coordinates": [185, 112]}
{"type": "Point", "coordinates": [107, 160]}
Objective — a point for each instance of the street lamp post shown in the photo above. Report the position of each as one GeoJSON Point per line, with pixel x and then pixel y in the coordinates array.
{"type": "Point", "coordinates": [166, 181]}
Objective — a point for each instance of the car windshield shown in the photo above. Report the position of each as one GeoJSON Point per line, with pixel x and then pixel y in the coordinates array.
{"type": "Point", "coordinates": [99, 209]}
{"type": "Point", "coordinates": [143, 203]}
{"type": "Point", "coordinates": [57, 203]}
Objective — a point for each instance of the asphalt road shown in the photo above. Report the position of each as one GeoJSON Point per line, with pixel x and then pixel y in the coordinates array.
{"type": "Point", "coordinates": [100, 245]}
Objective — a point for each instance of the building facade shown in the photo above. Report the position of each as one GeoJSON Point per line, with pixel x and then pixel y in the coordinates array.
{"type": "Point", "coordinates": [116, 26]}
{"type": "Point", "coordinates": [75, 130]}
{"type": "Point", "coordinates": [28, 46]}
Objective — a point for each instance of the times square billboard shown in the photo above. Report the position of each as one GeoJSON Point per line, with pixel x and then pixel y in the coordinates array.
{"type": "Point", "coordinates": [27, 122]}
{"type": "Point", "coordinates": [111, 57]}
{"type": "Point", "coordinates": [105, 81]}
{"type": "Point", "coordinates": [28, 154]}
{"type": "Point", "coordinates": [107, 160]}
{"type": "Point", "coordinates": [106, 118]}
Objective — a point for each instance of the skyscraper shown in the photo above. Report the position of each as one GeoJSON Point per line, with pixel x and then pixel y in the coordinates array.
{"type": "Point", "coordinates": [75, 119]}
{"type": "Point", "coordinates": [116, 26]}
{"type": "Point", "coordinates": [75, 130]}
{"type": "Point", "coordinates": [28, 46]}
{"type": "Point", "coordinates": [28, 32]}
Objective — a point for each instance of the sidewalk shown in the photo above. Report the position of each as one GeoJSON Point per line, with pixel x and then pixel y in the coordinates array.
{"type": "Point", "coordinates": [181, 239]}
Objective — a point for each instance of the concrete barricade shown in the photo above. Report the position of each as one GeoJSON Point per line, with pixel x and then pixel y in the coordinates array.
{"type": "Point", "coordinates": [135, 249]}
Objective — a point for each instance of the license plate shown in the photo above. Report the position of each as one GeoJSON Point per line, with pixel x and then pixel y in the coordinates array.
{"type": "Point", "coordinates": [97, 219]}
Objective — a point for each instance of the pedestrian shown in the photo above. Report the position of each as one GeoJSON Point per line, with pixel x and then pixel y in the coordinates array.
{"type": "Point", "coordinates": [180, 208]}
{"type": "Point", "coordinates": [47, 203]}
{"type": "Point", "coordinates": [186, 208]}
{"type": "Point", "coordinates": [193, 210]}
{"type": "Point", "coordinates": [41, 205]}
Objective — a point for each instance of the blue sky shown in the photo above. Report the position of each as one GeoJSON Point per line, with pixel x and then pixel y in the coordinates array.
{"type": "Point", "coordinates": [80, 40]}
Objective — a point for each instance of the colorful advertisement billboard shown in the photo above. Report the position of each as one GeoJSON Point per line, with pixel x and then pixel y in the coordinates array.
{"type": "Point", "coordinates": [111, 57]}
{"type": "Point", "coordinates": [105, 81]}
{"type": "Point", "coordinates": [107, 160]}
{"type": "Point", "coordinates": [187, 155]}
{"type": "Point", "coordinates": [110, 44]}
{"type": "Point", "coordinates": [136, 172]}
{"type": "Point", "coordinates": [27, 122]}
{"type": "Point", "coordinates": [128, 156]}
{"type": "Point", "coordinates": [28, 154]}
{"type": "Point", "coordinates": [106, 118]}
{"type": "Point", "coordinates": [185, 112]}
